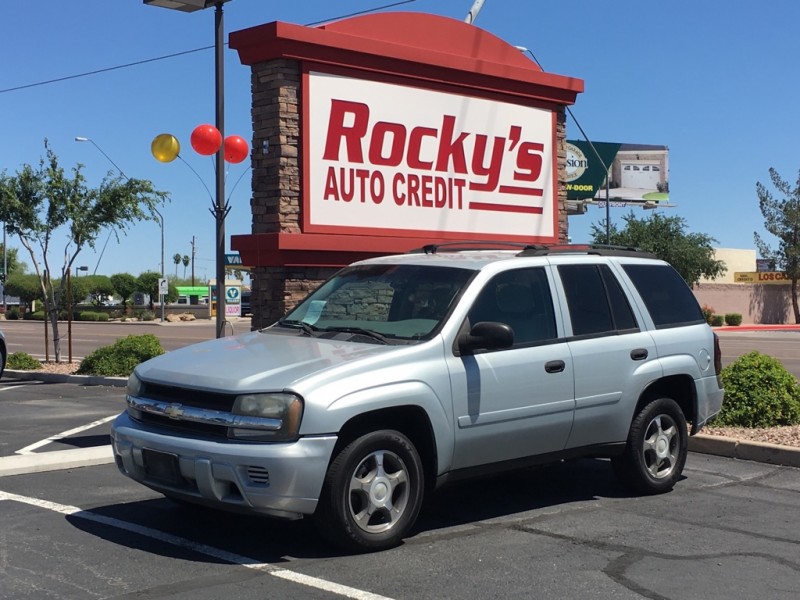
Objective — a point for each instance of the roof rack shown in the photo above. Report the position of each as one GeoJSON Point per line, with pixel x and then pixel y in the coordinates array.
{"type": "Point", "coordinates": [594, 249]}
{"type": "Point", "coordinates": [466, 246]}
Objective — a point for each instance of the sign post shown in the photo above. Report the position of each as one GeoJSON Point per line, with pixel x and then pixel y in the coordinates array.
{"type": "Point", "coordinates": [163, 291]}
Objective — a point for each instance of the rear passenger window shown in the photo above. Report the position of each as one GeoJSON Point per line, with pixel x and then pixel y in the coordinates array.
{"type": "Point", "coordinates": [668, 299]}
{"type": "Point", "coordinates": [596, 302]}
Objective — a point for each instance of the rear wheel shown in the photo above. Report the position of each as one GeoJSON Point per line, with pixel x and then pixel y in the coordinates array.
{"type": "Point", "coordinates": [372, 492]}
{"type": "Point", "coordinates": [656, 451]}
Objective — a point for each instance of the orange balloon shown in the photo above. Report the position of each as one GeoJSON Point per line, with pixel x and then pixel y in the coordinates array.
{"type": "Point", "coordinates": [236, 149]}
{"type": "Point", "coordinates": [165, 147]}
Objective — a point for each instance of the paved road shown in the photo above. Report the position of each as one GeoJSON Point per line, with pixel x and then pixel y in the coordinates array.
{"type": "Point", "coordinates": [28, 336]}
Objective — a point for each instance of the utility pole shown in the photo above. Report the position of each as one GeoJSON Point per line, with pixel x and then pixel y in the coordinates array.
{"type": "Point", "coordinates": [193, 251]}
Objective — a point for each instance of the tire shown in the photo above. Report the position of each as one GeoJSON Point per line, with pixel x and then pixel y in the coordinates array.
{"type": "Point", "coordinates": [656, 450]}
{"type": "Point", "coordinates": [372, 492]}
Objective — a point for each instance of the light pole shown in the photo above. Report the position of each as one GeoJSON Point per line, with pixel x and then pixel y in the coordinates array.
{"type": "Point", "coordinates": [79, 138]}
{"type": "Point", "coordinates": [219, 208]}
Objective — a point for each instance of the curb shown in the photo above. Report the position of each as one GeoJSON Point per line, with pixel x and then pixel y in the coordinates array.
{"type": "Point", "coordinates": [60, 378]}
{"type": "Point", "coordinates": [762, 452]}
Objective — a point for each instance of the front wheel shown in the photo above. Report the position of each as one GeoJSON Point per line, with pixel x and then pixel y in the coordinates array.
{"type": "Point", "coordinates": [372, 492]}
{"type": "Point", "coordinates": [656, 450]}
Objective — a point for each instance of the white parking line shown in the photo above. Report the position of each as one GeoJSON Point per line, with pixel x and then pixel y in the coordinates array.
{"type": "Point", "coordinates": [18, 384]}
{"type": "Point", "coordinates": [236, 559]}
{"type": "Point", "coordinates": [63, 434]}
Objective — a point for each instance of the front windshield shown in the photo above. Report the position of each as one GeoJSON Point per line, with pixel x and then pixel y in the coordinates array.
{"type": "Point", "coordinates": [402, 302]}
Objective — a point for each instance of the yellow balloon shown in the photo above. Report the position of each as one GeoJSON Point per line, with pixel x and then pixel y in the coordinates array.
{"type": "Point", "coordinates": [165, 147]}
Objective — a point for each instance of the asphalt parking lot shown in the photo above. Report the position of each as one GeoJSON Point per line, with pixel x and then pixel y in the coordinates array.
{"type": "Point", "coordinates": [728, 530]}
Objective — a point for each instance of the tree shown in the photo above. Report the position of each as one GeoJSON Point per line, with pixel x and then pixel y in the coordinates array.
{"type": "Point", "coordinates": [691, 254]}
{"type": "Point", "coordinates": [147, 282]}
{"type": "Point", "coordinates": [44, 204]}
{"type": "Point", "coordinates": [124, 285]}
{"type": "Point", "coordinates": [186, 261]}
{"type": "Point", "coordinates": [177, 260]}
{"type": "Point", "coordinates": [98, 287]}
{"type": "Point", "coordinates": [26, 286]}
{"type": "Point", "coordinates": [782, 219]}
{"type": "Point", "coordinates": [12, 261]}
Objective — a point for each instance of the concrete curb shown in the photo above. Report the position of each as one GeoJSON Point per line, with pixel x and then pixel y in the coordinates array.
{"type": "Point", "coordinates": [58, 460]}
{"type": "Point", "coordinates": [718, 445]}
{"type": "Point", "coordinates": [61, 378]}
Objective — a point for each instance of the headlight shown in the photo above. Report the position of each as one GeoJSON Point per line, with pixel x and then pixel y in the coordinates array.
{"type": "Point", "coordinates": [134, 387]}
{"type": "Point", "coordinates": [133, 390]}
{"type": "Point", "coordinates": [266, 417]}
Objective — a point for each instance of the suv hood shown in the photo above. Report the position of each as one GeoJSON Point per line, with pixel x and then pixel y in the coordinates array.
{"type": "Point", "coordinates": [256, 361]}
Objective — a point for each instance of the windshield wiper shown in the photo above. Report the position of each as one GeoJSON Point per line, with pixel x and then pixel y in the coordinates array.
{"type": "Point", "coordinates": [309, 330]}
{"type": "Point", "coordinates": [360, 330]}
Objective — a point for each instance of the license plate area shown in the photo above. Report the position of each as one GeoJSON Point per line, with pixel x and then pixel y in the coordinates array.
{"type": "Point", "coordinates": [161, 466]}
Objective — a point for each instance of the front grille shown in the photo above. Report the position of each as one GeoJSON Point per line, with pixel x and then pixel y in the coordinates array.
{"type": "Point", "coordinates": [188, 427]}
{"type": "Point", "coordinates": [188, 397]}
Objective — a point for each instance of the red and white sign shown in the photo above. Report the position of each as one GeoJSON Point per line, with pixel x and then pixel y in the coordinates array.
{"type": "Point", "coordinates": [396, 160]}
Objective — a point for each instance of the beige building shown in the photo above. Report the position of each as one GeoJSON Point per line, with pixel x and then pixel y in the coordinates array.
{"type": "Point", "coordinates": [763, 303]}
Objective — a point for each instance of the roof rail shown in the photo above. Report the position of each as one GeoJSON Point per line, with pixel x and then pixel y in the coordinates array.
{"type": "Point", "coordinates": [595, 249]}
{"type": "Point", "coordinates": [466, 246]}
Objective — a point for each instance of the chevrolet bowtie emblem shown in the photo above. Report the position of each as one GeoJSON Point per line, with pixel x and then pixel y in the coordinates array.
{"type": "Point", "coordinates": [174, 411]}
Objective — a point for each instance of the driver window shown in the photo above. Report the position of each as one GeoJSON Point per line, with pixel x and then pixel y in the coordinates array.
{"type": "Point", "coordinates": [521, 299]}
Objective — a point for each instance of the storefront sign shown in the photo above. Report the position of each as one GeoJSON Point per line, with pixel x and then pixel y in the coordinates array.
{"type": "Point", "coordinates": [763, 277]}
{"type": "Point", "coordinates": [389, 159]}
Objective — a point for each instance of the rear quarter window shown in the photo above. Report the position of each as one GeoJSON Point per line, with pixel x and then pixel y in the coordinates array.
{"type": "Point", "coordinates": [668, 298]}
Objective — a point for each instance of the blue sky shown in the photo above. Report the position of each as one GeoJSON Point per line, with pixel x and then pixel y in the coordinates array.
{"type": "Point", "coordinates": [714, 81]}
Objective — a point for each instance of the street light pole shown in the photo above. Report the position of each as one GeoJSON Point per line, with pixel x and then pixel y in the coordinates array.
{"type": "Point", "coordinates": [79, 138]}
{"type": "Point", "coordinates": [219, 208]}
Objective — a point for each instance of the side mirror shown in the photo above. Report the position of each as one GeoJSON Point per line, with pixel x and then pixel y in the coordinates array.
{"type": "Point", "coordinates": [486, 335]}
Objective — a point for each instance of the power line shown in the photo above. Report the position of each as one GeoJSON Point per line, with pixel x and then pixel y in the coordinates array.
{"type": "Point", "coordinates": [176, 54]}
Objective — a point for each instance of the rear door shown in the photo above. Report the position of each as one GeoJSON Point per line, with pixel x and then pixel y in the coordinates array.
{"type": "Point", "coordinates": [613, 357]}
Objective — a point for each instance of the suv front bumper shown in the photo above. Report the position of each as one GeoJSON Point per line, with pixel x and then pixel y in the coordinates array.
{"type": "Point", "coordinates": [281, 480]}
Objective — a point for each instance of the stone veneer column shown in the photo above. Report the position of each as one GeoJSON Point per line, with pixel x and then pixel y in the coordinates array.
{"type": "Point", "coordinates": [276, 186]}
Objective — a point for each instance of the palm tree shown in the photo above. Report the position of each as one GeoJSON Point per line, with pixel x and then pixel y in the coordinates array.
{"type": "Point", "coordinates": [186, 261]}
{"type": "Point", "coordinates": [177, 260]}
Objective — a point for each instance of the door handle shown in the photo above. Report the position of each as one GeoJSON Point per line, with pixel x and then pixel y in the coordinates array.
{"type": "Point", "coordinates": [639, 354]}
{"type": "Point", "coordinates": [554, 366]}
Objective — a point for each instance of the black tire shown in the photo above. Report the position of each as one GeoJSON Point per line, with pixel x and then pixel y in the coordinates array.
{"type": "Point", "coordinates": [656, 450]}
{"type": "Point", "coordinates": [372, 492]}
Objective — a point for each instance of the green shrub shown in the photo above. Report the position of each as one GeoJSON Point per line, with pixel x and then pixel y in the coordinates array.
{"type": "Point", "coordinates": [12, 314]}
{"type": "Point", "coordinates": [22, 361]}
{"type": "Point", "coordinates": [716, 320]}
{"type": "Point", "coordinates": [120, 358]}
{"type": "Point", "coordinates": [146, 315]}
{"type": "Point", "coordinates": [37, 316]}
{"type": "Point", "coordinates": [734, 319]}
{"type": "Point", "coordinates": [90, 315]}
{"type": "Point", "coordinates": [759, 392]}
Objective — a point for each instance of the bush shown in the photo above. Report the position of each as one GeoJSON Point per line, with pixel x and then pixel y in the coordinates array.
{"type": "Point", "coordinates": [716, 320]}
{"type": "Point", "coordinates": [734, 319]}
{"type": "Point", "coordinates": [759, 392]}
{"type": "Point", "coordinates": [22, 361]}
{"type": "Point", "coordinates": [88, 315]}
{"type": "Point", "coordinates": [36, 316]}
{"type": "Point", "coordinates": [120, 358]}
{"type": "Point", "coordinates": [12, 314]}
{"type": "Point", "coordinates": [146, 315]}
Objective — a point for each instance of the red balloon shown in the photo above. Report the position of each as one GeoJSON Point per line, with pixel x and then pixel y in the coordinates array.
{"type": "Point", "coordinates": [206, 139]}
{"type": "Point", "coordinates": [236, 149]}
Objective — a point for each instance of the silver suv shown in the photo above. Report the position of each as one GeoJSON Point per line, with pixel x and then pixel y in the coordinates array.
{"type": "Point", "coordinates": [402, 373]}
